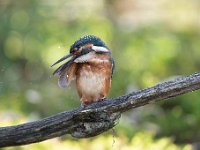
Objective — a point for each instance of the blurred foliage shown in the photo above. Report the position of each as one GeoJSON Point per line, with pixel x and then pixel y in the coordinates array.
{"type": "Point", "coordinates": [141, 141]}
{"type": "Point", "coordinates": [150, 42]}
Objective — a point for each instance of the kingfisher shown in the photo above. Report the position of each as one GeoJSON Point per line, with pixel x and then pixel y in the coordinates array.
{"type": "Point", "coordinates": [90, 65]}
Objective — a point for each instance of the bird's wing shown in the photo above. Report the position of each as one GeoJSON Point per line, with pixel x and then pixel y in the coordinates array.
{"type": "Point", "coordinates": [66, 73]}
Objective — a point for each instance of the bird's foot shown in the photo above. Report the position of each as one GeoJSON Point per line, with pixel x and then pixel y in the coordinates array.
{"type": "Point", "coordinates": [101, 99]}
{"type": "Point", "coordinates": [83, 105]}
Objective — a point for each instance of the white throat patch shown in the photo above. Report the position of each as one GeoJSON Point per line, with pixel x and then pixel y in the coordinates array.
{"type": "Point", "coordinates": [84, 58]}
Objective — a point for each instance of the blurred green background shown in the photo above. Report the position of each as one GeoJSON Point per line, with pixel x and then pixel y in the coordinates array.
{"type": "Point", "coordinates": [151, 41]}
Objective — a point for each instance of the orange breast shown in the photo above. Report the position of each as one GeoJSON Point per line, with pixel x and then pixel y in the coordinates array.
{"type": "Point", "coordinates": [93, 79]}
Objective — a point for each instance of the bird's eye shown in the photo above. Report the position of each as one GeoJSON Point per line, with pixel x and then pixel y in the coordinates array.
{"type": "Point", "coordinates": [74, 50]}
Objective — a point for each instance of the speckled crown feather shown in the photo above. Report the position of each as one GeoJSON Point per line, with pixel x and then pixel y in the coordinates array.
{"type": "Point", "coordinates": [86, 40]}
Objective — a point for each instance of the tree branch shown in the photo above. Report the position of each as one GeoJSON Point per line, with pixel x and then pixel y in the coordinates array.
{"type": "Point", "coordinates": [95, 118]}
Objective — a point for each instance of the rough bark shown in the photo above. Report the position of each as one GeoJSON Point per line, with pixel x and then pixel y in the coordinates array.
{"type": "Point", "coordinates": [95, 118]}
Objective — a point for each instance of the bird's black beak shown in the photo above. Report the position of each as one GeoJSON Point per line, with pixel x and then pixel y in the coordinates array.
{"type": "Point", "coordinates": [61, 59]}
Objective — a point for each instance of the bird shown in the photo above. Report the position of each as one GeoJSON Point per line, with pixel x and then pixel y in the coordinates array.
{"type": "Point", "coordinates": [91, 66]}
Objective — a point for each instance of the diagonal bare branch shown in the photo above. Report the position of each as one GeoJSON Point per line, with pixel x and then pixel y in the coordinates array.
{"type": "Point", "coordinates": [95, 118]}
